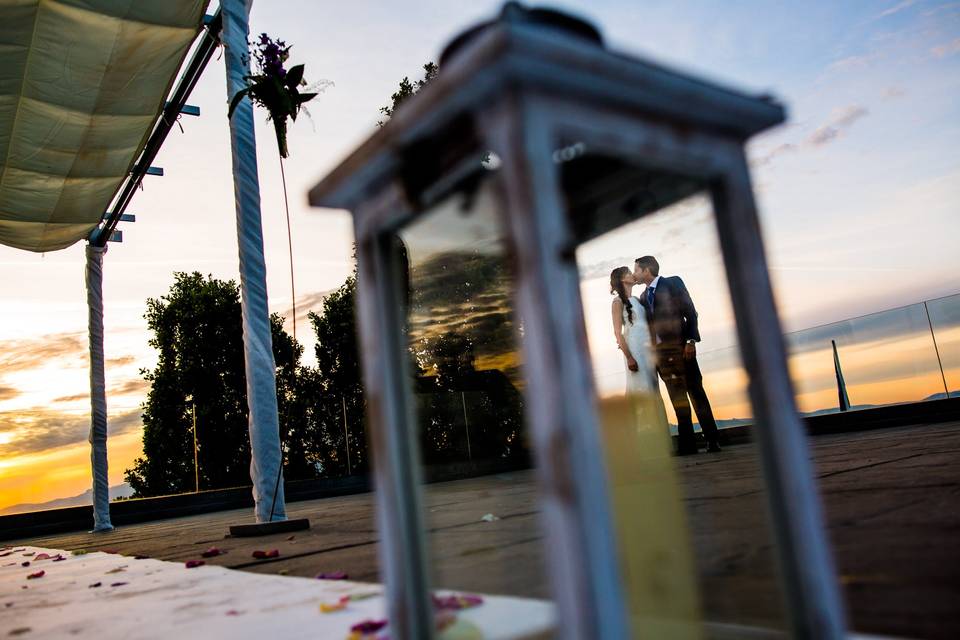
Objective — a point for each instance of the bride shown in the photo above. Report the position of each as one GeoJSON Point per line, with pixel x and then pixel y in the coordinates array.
{"type": "Point", "coordinates": [631, 332]}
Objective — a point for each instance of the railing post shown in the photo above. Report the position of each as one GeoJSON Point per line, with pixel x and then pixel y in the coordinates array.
{"type": "Point", "coordinates": [466, 424]}
{"type": "Point", "coordinates": [346, 433]}
{"type": "Point", "coordinates": [936, 349]}
{"type": "Point", "coordinates": [196, 464]}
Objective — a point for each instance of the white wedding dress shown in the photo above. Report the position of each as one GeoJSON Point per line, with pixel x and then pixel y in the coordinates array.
{"type": "Point", "coordinates": [637, 337]}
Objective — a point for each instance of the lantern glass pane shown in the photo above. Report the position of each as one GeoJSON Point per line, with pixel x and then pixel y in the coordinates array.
{"type": "Point", "coordinates": [482, 515]}
{"type": "Point", "coordinates": [695, 544]}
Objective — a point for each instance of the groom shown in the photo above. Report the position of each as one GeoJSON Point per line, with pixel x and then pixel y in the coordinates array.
{"type": "Point", "coordinates": [672, 319]}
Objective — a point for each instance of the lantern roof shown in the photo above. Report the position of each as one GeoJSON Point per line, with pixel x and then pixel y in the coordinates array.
{"type": "Point", "coordinates": [552, 55]}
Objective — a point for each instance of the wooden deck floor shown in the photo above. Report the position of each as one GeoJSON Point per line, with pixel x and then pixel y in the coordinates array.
{"type": "Point", "coordinates": [892, 499]}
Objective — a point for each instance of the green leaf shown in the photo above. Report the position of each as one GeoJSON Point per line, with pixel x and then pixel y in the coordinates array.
{"type": "Point", "coordinates": [236, 100]}
{"type": "Point", "coordinates": [306, 97]}
{"type": "Point", "coordinates": [294, 76]}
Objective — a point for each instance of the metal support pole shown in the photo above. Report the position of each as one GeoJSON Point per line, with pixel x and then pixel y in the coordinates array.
{"type": "Point", "coordinates": [936, 350]}
{"type": "Point", "coordinates": [572, 477]}
{"type": "Point", "coordinates": [812, 589]}
{"type": "Point", "coordinates": [466, 424]}
{"type": "Point", "coordinates": [98, 394]}
{"type": "Point", "coordinates": [346, 433]}
{"type": "Point", "coordinates": [196, 464]}
{"type": "Point", "coordinates": [397, 475]}
{"type": "Point", "coordinates": [266, 461]}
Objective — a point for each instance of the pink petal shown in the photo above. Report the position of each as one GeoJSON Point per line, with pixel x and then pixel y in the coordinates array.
{"type": "Point", "coordinates": [332, 575]}
{"type": "Point", "coordinates": [95, 585]}
{"type": "Point", "coordinates": [368, 626]}
{"type": "Point", "coordinates": [456, 601]}
{"type": "Point", "coordinates": [118, 584]}
{"type": "Point", "coordinates": [29, 553]}
{"type": "Point", "coordinates": [190, 564]}
{"type": "Point", "coordinates": [42, 556]}
{"type": "Point", "coordinates": [5, 554]}
{"type": "Point", "coordinates": [211, 552]}
{"type": "Point", "coordinates": [38, 574]}
{"type": "Point", "coordinates": [233, 612]}
{"type": "Point", "coordinates": [273, 553]}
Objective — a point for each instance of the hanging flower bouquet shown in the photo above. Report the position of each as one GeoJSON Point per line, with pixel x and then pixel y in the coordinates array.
{"type": "Point", "coordinates": [274, 87]}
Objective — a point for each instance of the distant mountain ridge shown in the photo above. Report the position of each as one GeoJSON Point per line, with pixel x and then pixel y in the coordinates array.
{"type": "Point", "coordinates": [122, 490]}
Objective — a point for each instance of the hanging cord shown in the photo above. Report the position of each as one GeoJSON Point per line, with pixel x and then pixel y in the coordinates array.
{"type": "Point", "coordinates": [293, 295]}
{"type": "Point", "coordinates": [293, 291]}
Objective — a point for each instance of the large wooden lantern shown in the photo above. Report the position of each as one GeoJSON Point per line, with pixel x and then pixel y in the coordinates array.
{"type": "Point", "coordinates": [561, 140]}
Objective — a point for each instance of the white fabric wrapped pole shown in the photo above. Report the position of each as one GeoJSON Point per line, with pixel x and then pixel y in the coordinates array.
{"type": "Point", "coordinates": [98, 394]}
{"type": "Point", "coordinates": [257, 343]}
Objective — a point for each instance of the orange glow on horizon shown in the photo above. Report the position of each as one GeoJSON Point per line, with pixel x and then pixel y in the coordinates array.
{"type": "Point", "coordinates": [62, 472]}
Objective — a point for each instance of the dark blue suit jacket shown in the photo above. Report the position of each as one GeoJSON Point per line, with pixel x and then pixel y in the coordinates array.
{"type": "Point", "coordinates": [674, 318]}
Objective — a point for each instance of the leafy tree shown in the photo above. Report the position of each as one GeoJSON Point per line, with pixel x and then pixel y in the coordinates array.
{"type": "Point", "coordinates": [407, 89]}
{"type": "Point", "coordinates": [339, 379]}
{"type": "Point", "coordinates": [198, 333]}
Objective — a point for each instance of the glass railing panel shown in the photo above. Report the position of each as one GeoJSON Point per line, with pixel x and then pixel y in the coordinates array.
{"type": "Point", "coordinates": [880, 359]}
{"type": "Point", "coordinates": [945, 322]}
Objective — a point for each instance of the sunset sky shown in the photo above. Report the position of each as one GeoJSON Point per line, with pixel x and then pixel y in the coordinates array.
{"type": "Point", "coordinates": [859, 197]}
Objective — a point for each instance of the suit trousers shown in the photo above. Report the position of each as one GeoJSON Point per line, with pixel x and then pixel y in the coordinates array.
{"type": "Point", "coordinates": [684, 384]}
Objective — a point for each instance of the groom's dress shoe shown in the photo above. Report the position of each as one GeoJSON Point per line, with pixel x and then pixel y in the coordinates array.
{"type": "Point", "coordinates": [713, 447]}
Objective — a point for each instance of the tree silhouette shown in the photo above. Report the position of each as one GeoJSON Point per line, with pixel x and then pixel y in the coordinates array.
{"type": "Point", "coordinates": [198, 334]}
{"type": "Point", "coordinates": [407, 89]}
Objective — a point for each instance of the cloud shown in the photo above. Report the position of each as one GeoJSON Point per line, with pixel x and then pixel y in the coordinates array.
{"type": "Point", "coordinates": [30, 353]}
{"type": "Point", "coordinates": [603, 268]}
{"type": "Point", "coordinates": [73, 398]}
{"type": "Point", "coordinates": [780, 149]}
{"type": "Point", "coordinates": [893, 92]}
{"type": "Point", "coordinates": [851, 63]}
{"type": "Point", "coordinates": [131, 386]}
{"type": "Point", "coordinates": [897, 8]}
{"type": "Point", "coordinates": [121, 361]}
{"type": "Point", "coordinates": [305, 304]}
{"type": "Point", "coordinates": [39, 428]}
{"type": "Point", "coordinates": [840, 120]}
{"type": "Point", "coordinates": [947, 49]}
{"type": "Point", "coordinates": [949, 6]}
{"type": "Point", "coordinates": [8, 393]}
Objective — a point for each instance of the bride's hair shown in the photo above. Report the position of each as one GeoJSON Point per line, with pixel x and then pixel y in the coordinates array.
{"type": "Point", "coordinates": [617, 288]}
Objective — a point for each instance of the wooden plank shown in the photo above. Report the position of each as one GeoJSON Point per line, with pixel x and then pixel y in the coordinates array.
{"type": "Point", "coordinates": [892, 528]}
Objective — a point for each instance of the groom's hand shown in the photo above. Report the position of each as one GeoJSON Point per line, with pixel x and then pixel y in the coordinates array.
{"type": "Point", "coordinates": [632, 364]}
{"type": "Point", "coordinates": [689, 351]}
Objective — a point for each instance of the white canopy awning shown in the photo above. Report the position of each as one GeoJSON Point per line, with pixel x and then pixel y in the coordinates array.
{"type": "Point", "coordinates": [81, 84]}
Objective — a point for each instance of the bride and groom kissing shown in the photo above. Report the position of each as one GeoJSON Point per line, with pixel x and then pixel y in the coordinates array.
{"type": "Point", "coordinates": [662, 323]}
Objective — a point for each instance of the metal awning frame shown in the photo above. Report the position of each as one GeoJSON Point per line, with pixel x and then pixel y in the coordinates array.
{"type": "Point", "coordinates": [207, 43]}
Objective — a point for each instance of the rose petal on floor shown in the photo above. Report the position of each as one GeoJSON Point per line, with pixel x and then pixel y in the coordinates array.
{"type": "Point", "coordinates": [332, 575]}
